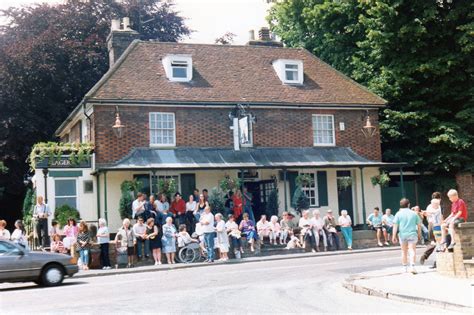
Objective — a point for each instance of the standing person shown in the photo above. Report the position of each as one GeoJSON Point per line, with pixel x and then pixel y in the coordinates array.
{"type": "Point", "coordinates": [248, 228]}
{"type": "Point", "coordinates": [138, 206]}
{"type": "Point", "coordinates": [154, 238]}
{"type": "Point", "coordinates": [103, 238]}
{"type": "Point", "coordinates": [222, 238]}
{"type": "Point", "coordinates": [207, 224]}
{"type": "Point", "coordinates": [169, 240]}
{"type": "Point", "coordinates": [200, 206]}
{"type": "Point", "coordinates": [139, 230]}
{"type": "Point", "coordinates": [287, 226]}
{"type": "Point", "coordinates": [196, 194]}
{"type": "Point", "coordinates": [424, 229]}
{"type": "Point", "coordinates": [264, 228]}
{"type": "Point", "coordinates": [19, 234]}
{"type": "Point", "coordinates": [318, 229]}
{"type": "Point", "coordinates": [70, 235]}
{"type": "Point", "coordinates": [387, 224]}
{"type": "Point", "coordinates": [190, 207]}
{"type": "Point", "coordinates": [375, 223]}
{"type": "Point", "coordinates": [238, 205]}
{"type": "Point", "coordinates": [275, 230]}
{"type": "Point", "coordinates": [178, 208]}
{"type": "Point", "coordinates": [247, 203]}
{"type": "Point", "coordinates": [458, 214]}
{"type": "Point", "coordinates": [125, 240]}
{"type": "Point", "coordinates": [435, 218]}
{"type": "Point", "coordinates": [407, 224]}
{"type": "Point", "coordinates": [83, 244]}
{"type": "Point", "coordinates": [4, 233]}
{"type": "Point", "coordinates": [41, 212]}
{"type": "Point", "coordinates": [229, 203]}
{"type": "Point", "coordinates": [346, 228]}
{"type": "Point", "coordinates": [234, 233]}
{"type": "Point", "coordinates": [205, 193]}
{"type": "Point", "coordinates": [330, 227]}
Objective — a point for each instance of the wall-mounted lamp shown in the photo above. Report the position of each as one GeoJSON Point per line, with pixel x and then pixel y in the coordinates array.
{"type": "Point", "coordinates": [368, 130]}
{"type": "Point", "coordinates": [118, 128]}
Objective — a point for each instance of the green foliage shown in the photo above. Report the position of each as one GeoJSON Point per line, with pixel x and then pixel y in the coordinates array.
{"type": "Point", "coordinates": [28, 206]}
{"type": "Point", "coordinates": [229, 184]}
{"type": "Point", "coordinates": [129, 190]}
{"type": "Point", "coordinates": [416, 54]}
{"type": "Point", "coordinates": [217, 199]}
{"type": "Point", "coordinates": [168, 187]}
{"type": "Point", "coordinates": [303, 180]}
{"type": "Point", "coordinates": [53, 151]}
{"type": "Point", "coordinates": [64, 212]}
{"type": "Point", "coordinates": [3, 168]}
{"type": "Point", "coordinates": [273, 204]}
{"type": "Point", "coordinates": [300, 201]}
{"type": "Point", "coordinates": [382, 179]}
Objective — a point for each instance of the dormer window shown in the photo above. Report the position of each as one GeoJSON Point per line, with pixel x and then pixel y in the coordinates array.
{"type": "Point", "coordinates": [178, 68]}
{"type": "Point", "coordinates": [289, 71]}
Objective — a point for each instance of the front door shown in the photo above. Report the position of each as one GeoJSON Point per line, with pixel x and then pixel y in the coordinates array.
{"type": "Point", "coordinates": [344, 192]}
{"type": "Point", "coordinates": [260, 192]}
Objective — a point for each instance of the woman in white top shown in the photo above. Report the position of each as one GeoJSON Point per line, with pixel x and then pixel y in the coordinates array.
{"type": "Point", "coordinates": [222, 238]}
{"type": "Point", "coordinates": [346, 228]}
{"type": "Point", "coordinates": [4, 233]}
{"type": "Point", "coordinates": [318, 230]}
{"type": "Point", "coordinates": [103, 238]}
{"type": "Point", "coordinates": [264, 228]}
{"type": "Point", "coordinates": [306, 225]}
{"type": "Point", "coordinates": [207, 224]}
{"type": "Point", "coordinates": [19, 235]}
{"type": "Point", "coordinates": [189, 215]}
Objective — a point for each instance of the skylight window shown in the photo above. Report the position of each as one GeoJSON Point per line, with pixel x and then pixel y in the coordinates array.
{"type": "Point", "coordinates": [289, 71]}
{"type": "Point", "coordinates": [178, 68]}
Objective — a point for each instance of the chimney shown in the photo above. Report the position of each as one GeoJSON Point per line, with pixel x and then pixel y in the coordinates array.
{"type": "Point", "coordinates": [120, 37]}
{"type": "Point", "coordinates": [265, 38]}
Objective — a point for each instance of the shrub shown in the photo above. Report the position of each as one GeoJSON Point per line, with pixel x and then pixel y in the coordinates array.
{"type": "Point", "coordinates": [129, 190]}
{"type": "Point", "coordinates": [168, 187]}
{"type": "Point", "coordinates": [273, 204]}
{"type": "Point", "coordinates": [28, 205]}
{"type": "Point", "coordinates": [64, 212]}
{"type": "Point", "coordinates": [300, 200]}
{"type": "Point", "coordinates": [217, 200]}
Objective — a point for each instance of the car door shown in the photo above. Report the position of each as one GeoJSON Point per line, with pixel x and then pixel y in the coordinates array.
{"type": "Point", "coordinates": [13, 263]}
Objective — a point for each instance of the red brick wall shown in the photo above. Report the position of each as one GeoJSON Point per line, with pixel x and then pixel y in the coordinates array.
{"type": "Point", "coordinates": [465, 183]}
{"type": "Point", "coordinates": [210, 128]}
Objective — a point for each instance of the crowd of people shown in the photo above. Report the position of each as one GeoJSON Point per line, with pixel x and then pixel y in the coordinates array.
{"type": "Point", "coordinates": [159, 227]}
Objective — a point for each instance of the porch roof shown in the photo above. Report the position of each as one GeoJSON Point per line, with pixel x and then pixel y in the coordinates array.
{"type": "Point", "coordinates": [228, 158]}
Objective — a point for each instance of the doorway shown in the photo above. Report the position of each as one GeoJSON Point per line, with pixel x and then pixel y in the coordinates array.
{"type": "Point", "coordinates": [260, 191]}
{"type": "Point", "coordinates": [345, 195]}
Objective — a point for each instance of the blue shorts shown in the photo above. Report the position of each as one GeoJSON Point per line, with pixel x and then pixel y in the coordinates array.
{"type": "Point", "coordinates": [408, 240]}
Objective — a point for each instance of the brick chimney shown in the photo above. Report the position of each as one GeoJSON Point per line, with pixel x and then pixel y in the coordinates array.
{"type": "Point", "coordinates": [120, 37]}
{"type": "Point", "coordinates": [265, 38]}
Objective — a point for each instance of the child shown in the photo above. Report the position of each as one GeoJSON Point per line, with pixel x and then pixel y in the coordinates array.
{"type": "Point", "coordinates": [55, 230]}
{"type": "Point", "coordinates": [275, 230]}
{"type": "Point", "coordinates": [57, 246]}
{"type": "Point", "coordinates": [184, 238]}
{"type": "Point", "coordinates": [19, 234]}
{"type": "Point", "coordinates": [294, 242]}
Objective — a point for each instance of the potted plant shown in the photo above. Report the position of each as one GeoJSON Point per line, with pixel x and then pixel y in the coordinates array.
{"type": "Point", "coordinates": [382, 179]}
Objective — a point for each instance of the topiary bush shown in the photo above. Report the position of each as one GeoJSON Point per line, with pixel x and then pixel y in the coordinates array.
{"type": "Point", "coordinates": [273, 204]}
{"type": "Point", "coordinates": [300, 200]}
{"type": "Point", "coordinates": [64, 212]}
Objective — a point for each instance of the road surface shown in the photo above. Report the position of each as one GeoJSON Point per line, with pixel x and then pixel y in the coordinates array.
{"type": "Point", "coordinates": [307, 285]}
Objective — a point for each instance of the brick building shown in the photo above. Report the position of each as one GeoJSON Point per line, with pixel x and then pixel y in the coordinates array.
{"type": "Point", "coordinates": [199, 112]}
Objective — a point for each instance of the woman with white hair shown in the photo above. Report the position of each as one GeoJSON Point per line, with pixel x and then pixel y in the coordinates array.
{"type": "Point", "coordinates": [125, 241]}
{"type": "Point", "coordinates": [103, 238]}
{"type": "Point", "coordinates": [307, 234]}
{"type": "Point", "coordinates": [275, 230]}
{"type": "Point", "coordinates": [346, 228]}
{"type": "Point", "coordinates": [222, 238]}
{"type": "Point", "coordinates": [169, 240]}
{"type": "Point", "coordinates": [318, 229]}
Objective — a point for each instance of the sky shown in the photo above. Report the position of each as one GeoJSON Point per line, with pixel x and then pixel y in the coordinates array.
{"type": "Point", "coordinates": [209, 19]}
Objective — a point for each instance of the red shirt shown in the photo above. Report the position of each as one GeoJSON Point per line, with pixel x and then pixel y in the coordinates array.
{"type": "Point", "coordinates": [237, 206]}
{"type": "Point", "coordinates": [459, 206]}
{"type": "Point", "coordinates": [178, 206]}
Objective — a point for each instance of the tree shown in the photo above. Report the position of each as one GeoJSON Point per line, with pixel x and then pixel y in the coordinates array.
{"type": "Point", "coordinates": [50, 56]}
{"type": "Point", "coordinates": [416, 54]}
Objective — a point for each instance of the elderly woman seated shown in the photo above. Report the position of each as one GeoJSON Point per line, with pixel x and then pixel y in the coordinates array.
{"type": "Point", "coordinates": [307, 234]}
{"type": "Point", "coordinates": [264, 228]}
{"type": "Point", "coordinates": [248, 229]}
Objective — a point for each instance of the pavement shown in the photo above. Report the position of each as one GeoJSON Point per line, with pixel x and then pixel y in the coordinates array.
{"type": "Point", "coordinates": [280, 286]}
{"type": "Point", "coordinates": [427, 288]}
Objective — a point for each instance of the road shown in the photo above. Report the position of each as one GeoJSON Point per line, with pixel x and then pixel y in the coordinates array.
{"type": "Point", "coordinates": [307, 285]}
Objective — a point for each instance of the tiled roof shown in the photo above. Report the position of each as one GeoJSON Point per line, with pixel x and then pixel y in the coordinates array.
{"type": "Point", "coordinates": [227, 73]}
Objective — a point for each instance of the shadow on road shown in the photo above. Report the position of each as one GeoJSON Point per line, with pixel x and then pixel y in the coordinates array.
{"type": "Point", "coordinates": [34, 286]}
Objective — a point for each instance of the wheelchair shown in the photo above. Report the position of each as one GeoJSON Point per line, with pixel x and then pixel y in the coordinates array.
{"type": "Point", "coordinates": [190, 253]}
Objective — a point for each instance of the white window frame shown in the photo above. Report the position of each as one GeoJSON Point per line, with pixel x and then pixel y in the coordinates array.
{"type": "Point", "coordinates": [313, 188]}
{"type": "Point", "coordinates": [314, 130]}
{"type": "Point", "coordinates": [150, 115]}
{"type": "Point", "coordinates": [71, 196]}
{"type": "Point", "coordinates": [279, 66]}
{"type": "Point", "coordinates": [250, 144]}
{"type": "Point", "coordinates": [168, 66]}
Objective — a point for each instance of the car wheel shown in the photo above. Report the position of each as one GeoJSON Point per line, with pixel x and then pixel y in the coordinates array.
{"type": "Point", "coordinates": [52, 275]}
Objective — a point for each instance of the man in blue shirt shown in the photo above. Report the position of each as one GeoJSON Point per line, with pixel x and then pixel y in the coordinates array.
{"type": "Point", "coordinates": [375, 223]}
{"type": "Point", "coordinates": [407, 224]}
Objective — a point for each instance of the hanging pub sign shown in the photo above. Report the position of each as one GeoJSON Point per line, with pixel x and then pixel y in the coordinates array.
{"type": "Point", "coordinates": [62, 162]}
{"type": "Point", "coordinates": [244, 130]}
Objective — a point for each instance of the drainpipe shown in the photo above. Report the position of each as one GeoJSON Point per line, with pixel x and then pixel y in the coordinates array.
{"type": "Point", "coordinates": [45, 173]}
{"type": "Point", "coordinates": [402, 185]}
{"type": "Point", "coordinates": [98, 196]}
{"type": "Point", "coordinates": [364, 214]}
{"type": "Point", "coordinates": [153, 176]}
{"type": "Point", "coordinates": [89, 122]}
{"type": "Point", "coordinates": [284, 189]}
{"type": "Point", "coordinates": [105, 197]}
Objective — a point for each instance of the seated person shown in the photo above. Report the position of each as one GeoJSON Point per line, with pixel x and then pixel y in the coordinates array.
{"type": "Point", "coordinates": [248, 228]}
{"type": "Point", "coordinates": [57, 245]}
{"type": "Point", "coordinates": [264, 228]}
{"type": "Point", "coordinates": [287, 226]}
{"type": "Point", "coordinates": [330, 228]}
{"type": "Point", "coordinates": [184, 238]}
{"type": "Point", "coordinates": [234, 233]}
{"type": "Point", "coordinates": [375, 223]}
{"type": "Point", "coordinates": [387, 224]}
{"type": "Point", "coordinates": [306, 226]}
{"type": "Point", "coordinates": [294, 242]}
{"type": "Point", "coordinates": [275, 230]}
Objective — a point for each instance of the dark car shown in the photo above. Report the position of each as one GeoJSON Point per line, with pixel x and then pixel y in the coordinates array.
{"type": "Point", "coordinates": [18, 264]}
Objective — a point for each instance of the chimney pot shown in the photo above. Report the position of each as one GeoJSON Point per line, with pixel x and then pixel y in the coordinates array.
{"type": "Point", "coordinates": [126, 24]}
{"type": "Point", "coordinates": [115, 25]}
{"type": "Point", "coordinates": [251, 35]}
{"type": "Point", "coordinates": [264, 34]}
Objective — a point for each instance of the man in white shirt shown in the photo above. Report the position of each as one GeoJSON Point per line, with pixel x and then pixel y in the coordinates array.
{"type": "Point", "coordinates": [306, 226]}
{"type": "Point", "coordinates": [387, 224]}
{"type": "Point", "coordinates": [41, 213]}
{"type": "Point", "coordinates": [207, 227]}
{"type": "Point", "coordinates": [138, 206]}
{"type": "Point", "coordinates": [139, 229]}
